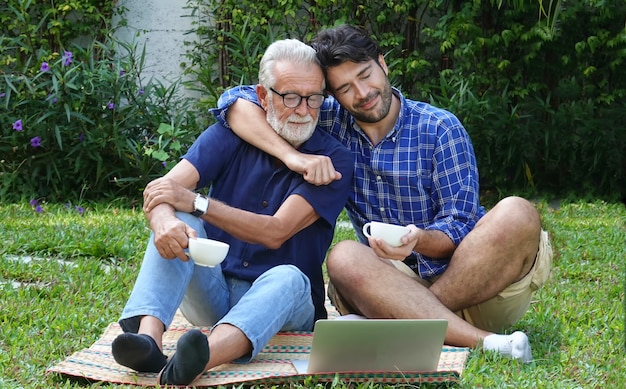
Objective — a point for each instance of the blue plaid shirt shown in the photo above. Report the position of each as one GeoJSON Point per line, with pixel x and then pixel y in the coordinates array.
{"type": "Point", "coordinates": [423, 172]}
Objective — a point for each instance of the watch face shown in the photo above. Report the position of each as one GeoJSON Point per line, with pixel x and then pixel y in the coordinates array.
{"type": "Point", "coordinates": [201, 204]}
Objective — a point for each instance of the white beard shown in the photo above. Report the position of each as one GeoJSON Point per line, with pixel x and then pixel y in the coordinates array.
{"type": "Point", "coordinates": [294, 134]}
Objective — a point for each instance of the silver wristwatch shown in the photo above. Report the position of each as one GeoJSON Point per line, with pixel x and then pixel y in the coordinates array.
{"type": "Point", "coordinates": [200, 205]}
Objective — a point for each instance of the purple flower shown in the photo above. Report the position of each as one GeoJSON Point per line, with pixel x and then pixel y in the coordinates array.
{"type": "Point", "coordinates": [80, 210]}
{"type": "Point", "coordinates": [164, 163]}
{"type": "Point", "coordinates": [35, 142]}
{"type": "Point", "coordinates": [122, 72]}
{"type": "Point", "coordinates": [81, 137]}
{"type": "Point", "coordinates": [35, 203]}
{"type": "Point", "coordinates": [17, 125]}
{"type": "Point", "coordinates": [140, 92]}
{"type": "Point", "coordinates": [44, 67]}
{"type": "Point", "coordinates": [2, 95]}
{"type": "Point", "coordinates": [111, 105]}
{"type": "Point", "coordinates": [52, 99]}
{"type": "Point", "coordinates": [67, 58]}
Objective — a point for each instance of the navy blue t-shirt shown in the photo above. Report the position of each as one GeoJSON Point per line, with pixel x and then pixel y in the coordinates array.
{"type": "Point", "coordinates": [242, 176]}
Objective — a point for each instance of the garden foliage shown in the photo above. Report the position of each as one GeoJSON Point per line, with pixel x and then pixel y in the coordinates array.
{"type": "Point", "coordinates": [78, 119]}
{"type": "Point", "coordinates": [538, 84]}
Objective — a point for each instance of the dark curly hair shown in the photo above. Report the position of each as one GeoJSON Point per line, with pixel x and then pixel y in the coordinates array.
{"type": "Point", "coordinates": [335, 46]}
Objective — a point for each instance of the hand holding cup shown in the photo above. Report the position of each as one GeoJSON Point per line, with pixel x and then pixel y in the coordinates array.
{"type": "Point", "coordinates": [390, 233]}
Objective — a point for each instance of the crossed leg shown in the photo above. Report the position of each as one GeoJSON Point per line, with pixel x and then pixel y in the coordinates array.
{"type": "Point", "coordinates": [499, 251]}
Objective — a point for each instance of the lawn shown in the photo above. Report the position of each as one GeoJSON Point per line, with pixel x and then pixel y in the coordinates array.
{"type": "Point", "coordinates": [65, 274]}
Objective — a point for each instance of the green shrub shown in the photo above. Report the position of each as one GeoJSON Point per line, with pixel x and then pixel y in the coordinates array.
{"type": "Point", "coordinates": [543, 98]}
{"type": "Point", "coordinates": [32, 27]}
{"type": "Point", "coordinates": [82, 122]}
{"type": "Point", "coordinates": [88, 128]}
{"type": "Point", "coordinates": [551, 91]}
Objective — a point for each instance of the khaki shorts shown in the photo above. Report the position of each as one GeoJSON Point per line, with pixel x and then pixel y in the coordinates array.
{"type": "Point", "coordinates": [496, 314]}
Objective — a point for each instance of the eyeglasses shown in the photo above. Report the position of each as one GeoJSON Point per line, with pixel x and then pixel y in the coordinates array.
{"type": "Point", "coordinates": [292, 100]}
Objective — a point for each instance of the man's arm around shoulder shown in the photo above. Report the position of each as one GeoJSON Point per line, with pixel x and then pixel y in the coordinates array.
{"type": "Point", "coordinates": [238, 111]}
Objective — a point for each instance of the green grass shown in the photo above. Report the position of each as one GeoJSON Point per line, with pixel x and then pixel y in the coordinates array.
{"type": "Point", "coordinates": [83, 269]}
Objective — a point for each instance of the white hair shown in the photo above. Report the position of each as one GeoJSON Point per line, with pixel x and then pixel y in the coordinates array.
{"type": "Point", "coordinates": [291, 50]}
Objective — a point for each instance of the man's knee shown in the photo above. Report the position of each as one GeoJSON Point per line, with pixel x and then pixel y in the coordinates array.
{"type": "Point", "coordinates": [288, 275]}
{"type": "Point", "coordinates": [519, 210]}
{"type": "Point", "coordinates": [341, 256]}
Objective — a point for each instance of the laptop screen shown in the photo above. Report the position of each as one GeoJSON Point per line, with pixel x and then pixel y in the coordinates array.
{"type": "Point", "coordinates": [376, 345]}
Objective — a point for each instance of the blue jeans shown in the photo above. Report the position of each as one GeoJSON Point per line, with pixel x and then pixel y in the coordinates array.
{"type": "Point", "coordinates": [278, 300]}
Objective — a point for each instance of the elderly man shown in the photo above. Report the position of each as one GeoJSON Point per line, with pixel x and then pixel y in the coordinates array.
{"type": "Point", "coordinates": [279, 228]}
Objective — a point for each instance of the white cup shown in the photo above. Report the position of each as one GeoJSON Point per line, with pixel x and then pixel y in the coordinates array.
{"type": "Point", "coordinates": [390, 233]}
{"type": "Point", "coordinates": [207, 252]}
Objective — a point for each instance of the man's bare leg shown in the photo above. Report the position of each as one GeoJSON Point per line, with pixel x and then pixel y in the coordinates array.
{"type": "Point", "coordinates": [227, 343]}
{"type": "Point", "coordinates": [498, 252]}
{"type": "Point", "coordinates": [153, 327]}
{"type": "Point", "coordinates": [376, 289]}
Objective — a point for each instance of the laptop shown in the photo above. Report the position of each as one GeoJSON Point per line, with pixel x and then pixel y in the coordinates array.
{"type": "Point", "coordinates": [374, 345]}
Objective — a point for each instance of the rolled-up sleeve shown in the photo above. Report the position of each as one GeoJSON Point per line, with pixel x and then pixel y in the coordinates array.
{"type": "Point", "coordinates": [228, 98]}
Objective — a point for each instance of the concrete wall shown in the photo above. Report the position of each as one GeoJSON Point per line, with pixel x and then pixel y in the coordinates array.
{"type": "Point", "coordinates": [160, 25]}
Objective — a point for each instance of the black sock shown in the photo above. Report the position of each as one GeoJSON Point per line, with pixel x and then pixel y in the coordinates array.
{"type": "Point", "coordinates": [139, 352]}
{"type": "Point", "coordinates": [192, 355]}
